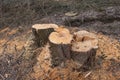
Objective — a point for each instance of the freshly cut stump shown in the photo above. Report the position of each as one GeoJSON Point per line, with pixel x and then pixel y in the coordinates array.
{"type": "Point", "coordinates": [83, 49]}
{"type": "Point", "coordinates": [60, 45]}
{"type": "Point", "coordinates": [42, 32]}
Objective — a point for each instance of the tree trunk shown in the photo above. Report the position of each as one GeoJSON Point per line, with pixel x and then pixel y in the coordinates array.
{"type": "Point", "coordinates": [60, 45]}
{"type": "Point", "coordinates": [42, 32]}
{"type": "Point", "coordinates": [80, 46]}
{"type": "Point", "coordinates": [106, 15]}
{"type": "Point", "coordinates": [84, 48]}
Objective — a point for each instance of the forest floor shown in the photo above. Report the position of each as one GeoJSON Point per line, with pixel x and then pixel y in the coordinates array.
{"type": "Point", "coordinates": [15, 42]}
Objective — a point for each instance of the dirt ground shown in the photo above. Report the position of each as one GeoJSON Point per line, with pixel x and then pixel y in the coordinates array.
{"type": "Point", "coordinates": [20, 59]}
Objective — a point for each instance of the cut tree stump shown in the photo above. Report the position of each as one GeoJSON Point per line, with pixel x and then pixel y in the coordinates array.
{"type": "Point", "coordinates": [42, 32]}
{"type": "Point", "coordinates": [60, 45]}
{"type": "Point", "coordinates": [83, 50]}
{"type": "Point", "coordinates": [78, 46]}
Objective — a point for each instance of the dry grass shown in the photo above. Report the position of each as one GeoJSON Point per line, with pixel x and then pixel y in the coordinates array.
{"type": "Point", "coordinates": [24, 12]}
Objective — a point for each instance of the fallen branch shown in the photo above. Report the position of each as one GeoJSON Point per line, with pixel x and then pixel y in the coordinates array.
{"type": "Point", "coordinates": [105, 15]}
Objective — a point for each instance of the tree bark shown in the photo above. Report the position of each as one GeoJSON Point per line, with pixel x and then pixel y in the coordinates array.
{"type": "Point", "coordinates": [80, 46]}
{"type": "Point", "coordinates": [60, 45]}
{"type": "Point", "coordinates": [42, 32]}
{"type": "Point", "coordinates": [83, 50]}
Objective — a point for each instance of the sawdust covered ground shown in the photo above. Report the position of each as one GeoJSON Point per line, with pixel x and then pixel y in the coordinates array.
{"type": "Point", "coordinates": [13, 65]}
{"type": "Point", "coordinates": [107, 64]}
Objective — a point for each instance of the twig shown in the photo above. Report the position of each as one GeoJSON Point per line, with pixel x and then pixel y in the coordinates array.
{"type": "Point", "coordinates": [88, 74]}
{"type": "Point", "coordinates": [42, 7]}
{"type": "Point", "coordinates": [2, 77]}
{"type": "Point", "coordinates": [1, 15]}
{"type": "Point", "coordinates": [21, 54]}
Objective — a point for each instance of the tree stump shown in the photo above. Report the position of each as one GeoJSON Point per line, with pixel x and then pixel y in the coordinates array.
{"type": "Point", "coordinates": [42, 32]}
{"type": "Point", "coordinates": [83, 50]}
{"type": "Point", "coordinates": [60, 45]}
{"type": "Point", "coordinates": [80, 46]}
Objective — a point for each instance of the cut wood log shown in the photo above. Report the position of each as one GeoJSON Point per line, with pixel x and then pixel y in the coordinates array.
{"type": "Point", "coordinates": [60, 45]}
{"type": "Point", "coordinates": [105, 15]}
{"type": "Point", "coordinates": [83, 49]}
{"type": "Point", "coordinates": [41, 33]}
